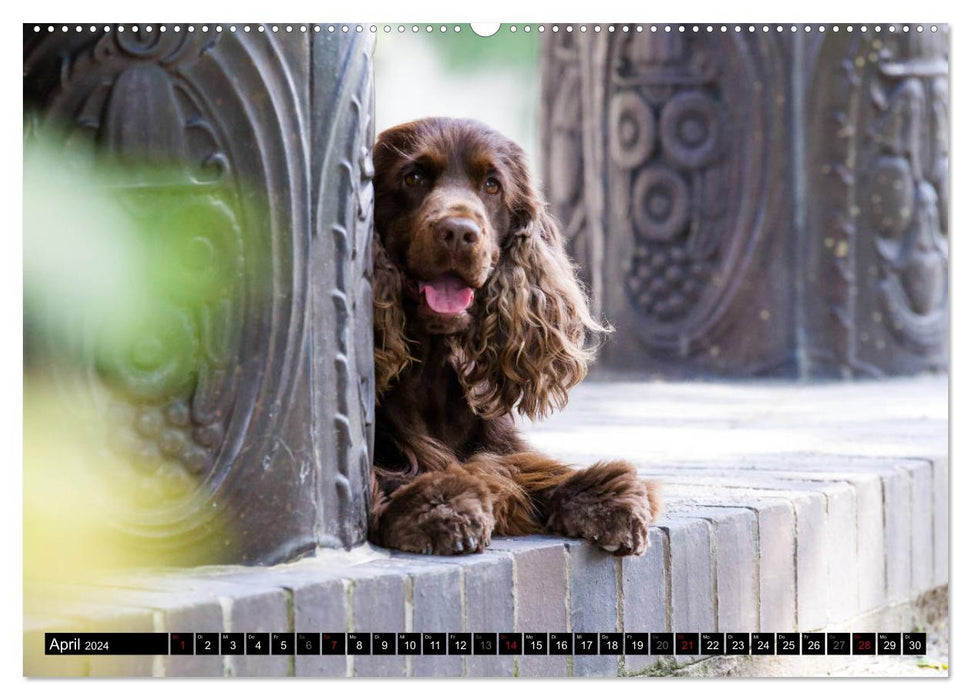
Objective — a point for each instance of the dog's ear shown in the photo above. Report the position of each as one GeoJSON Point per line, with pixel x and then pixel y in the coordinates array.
{"type": "Point", "coordinates": [391, 354]}
{"type": "Point", "coordinates": [530, 344]}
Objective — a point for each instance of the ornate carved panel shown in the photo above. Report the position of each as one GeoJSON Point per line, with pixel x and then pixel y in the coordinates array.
{"type": "Point", "coordinates": [684, 148]}
{"type": "Point", "coordinates": [753, 204]}
{"type": "Point", "coordinates": [226, 397]}
{"type": "Point", "coordinates": [878, 177]}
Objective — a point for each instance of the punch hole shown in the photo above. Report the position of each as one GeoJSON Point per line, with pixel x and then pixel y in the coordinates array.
{"type": "Point", "coordinates": [219, 27]}
{"type": "Point", "coordinates": [485, 29]}
{"type": "Point", "coordinates": [177, 28]}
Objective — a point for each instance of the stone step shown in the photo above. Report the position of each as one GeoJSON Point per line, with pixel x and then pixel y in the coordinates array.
{"type": "Point", "coordinates": [788, 508]}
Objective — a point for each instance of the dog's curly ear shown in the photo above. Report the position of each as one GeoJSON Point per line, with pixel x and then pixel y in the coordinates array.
{"type": "Point", "coordinates": [391, 354]}
{"type": "Point", "coordinates": [530, 346]}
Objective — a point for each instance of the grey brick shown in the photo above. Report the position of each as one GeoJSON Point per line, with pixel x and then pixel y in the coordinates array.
{"type": "Point", "coordinates": [541, 595]}
{"type": "Point", "coordinates": [646, 595]}
{"type": "Point", "coordinates": [897, 504]}
{"type": "Point", "coordinates": [922, 526]}
{"type": "Point", "coordinates": [320, 607]}
{"type": "Point", "coordinates": [941, 522]}
{"type": "Point", "coordinates": [777, 582]}
{"type": "Point", "coordinates": [262, 611]}
{"type": "Point", "coordinates": [593, 602]}
{"type": "Point", "coordinates": [841, 554]}
{"type": "Point", "coordinates": [489, 607]}
{"type": "Point", "coordinates": [436, 587]}
{"type": "Point", "coordinates": [736, 566]}
{"type": "Point", "coordinates": [120, 619]}
{"type": "Point", "coordinates": [37, 664]}
{"type": "Point", "coordinates": [692, 585]}
{"type": "Point", "coordinates": [379, 606]}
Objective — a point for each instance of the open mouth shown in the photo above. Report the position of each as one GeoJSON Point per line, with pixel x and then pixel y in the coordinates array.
{"type": "Point", "coordinates": [447, 295]}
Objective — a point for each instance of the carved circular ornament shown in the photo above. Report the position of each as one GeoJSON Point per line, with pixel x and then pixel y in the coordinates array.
{"type": "Point", "coordinates": [660, 203]}
{"type": "Point", "coordinates": [633, 130]}
{"type": "Point", "coordinates": [158, 360]}
{"type": "Point", "coordinates": [690, 129]}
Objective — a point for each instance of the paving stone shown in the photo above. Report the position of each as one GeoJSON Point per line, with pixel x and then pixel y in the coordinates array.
{"type": "Point", "coordinates": [593, 602]}
{"type": "Point", "coordinates": [540, 566]}
{"type": "Point", "coordinates": [646, 595]}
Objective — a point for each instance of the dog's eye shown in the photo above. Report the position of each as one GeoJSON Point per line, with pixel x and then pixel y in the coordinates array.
{"type": "Point", "coordinates": [492, 185]}
{"type": "Point", "coordinates": [414, 179]}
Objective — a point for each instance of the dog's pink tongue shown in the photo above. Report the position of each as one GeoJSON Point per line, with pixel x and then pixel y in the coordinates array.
{"type": "Point", "coordinates": [447, 295]}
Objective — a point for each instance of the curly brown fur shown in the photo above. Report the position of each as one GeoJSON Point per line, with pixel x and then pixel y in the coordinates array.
{"type": "Point", "coordinates": [478, 314]}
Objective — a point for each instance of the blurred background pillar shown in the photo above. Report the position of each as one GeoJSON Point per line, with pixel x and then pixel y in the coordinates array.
{"type": "Point", "coordinates": [755, 204]}
{"type": "Point", "coordinates": [248, 411]}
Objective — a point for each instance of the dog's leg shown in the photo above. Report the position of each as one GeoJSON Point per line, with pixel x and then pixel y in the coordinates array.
{"type": "Point", "coordinates": [441, 512]}
{"type": "Point", "coordinates": [606, 504]}
{"type": "Point", "coordinates": [457, 510]}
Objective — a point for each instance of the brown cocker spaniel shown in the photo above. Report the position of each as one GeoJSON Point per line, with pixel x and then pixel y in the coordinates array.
{"type": "Point", "coordinates": [478, 313]}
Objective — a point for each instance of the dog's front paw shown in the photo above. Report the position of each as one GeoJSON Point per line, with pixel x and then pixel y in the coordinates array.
{"type": "Point", "coordinates": [607, 505]}
{"type": "Point", "coordinates": [446, 512]}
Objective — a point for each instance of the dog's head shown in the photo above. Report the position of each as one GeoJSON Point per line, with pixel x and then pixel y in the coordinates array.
{"type": "Point", "coordinates": [465, 248]}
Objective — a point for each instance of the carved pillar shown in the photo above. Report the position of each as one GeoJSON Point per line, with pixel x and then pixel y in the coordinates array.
{"type": "Point", "coordinates": [876, 221]}
{"type": "Point", "coordinates": [755, 204]}
{"type": "Point", "coordinates": [261, 420]}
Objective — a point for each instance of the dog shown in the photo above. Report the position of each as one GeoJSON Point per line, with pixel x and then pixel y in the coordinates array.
{"type": "Point", "coordinates": [478, 314]}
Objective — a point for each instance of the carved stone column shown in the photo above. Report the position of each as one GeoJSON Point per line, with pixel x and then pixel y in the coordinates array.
{"type": "Point", "coordinates": [755, 204]}
{"type": "Point", "coordinates": [262, 421]}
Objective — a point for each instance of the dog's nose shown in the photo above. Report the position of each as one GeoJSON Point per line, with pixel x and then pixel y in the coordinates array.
{"type": "Point", "coordinates": [458, 233]}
